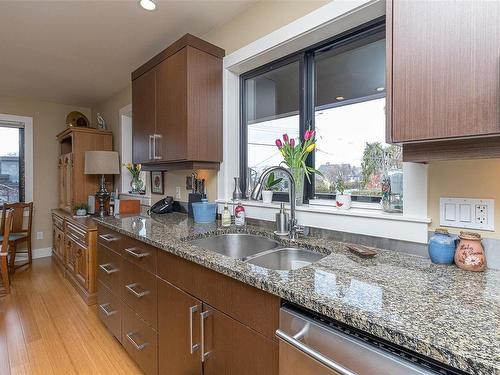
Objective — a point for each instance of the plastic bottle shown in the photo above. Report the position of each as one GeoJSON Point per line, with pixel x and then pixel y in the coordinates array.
{"type": "Point", "coordinates": [226, 216]}
{"type": "Point", "coordinates": [239, 215]}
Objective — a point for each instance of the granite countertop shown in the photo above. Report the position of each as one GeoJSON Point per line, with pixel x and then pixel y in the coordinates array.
{"type": "Point", "coordinates": [440, 311]}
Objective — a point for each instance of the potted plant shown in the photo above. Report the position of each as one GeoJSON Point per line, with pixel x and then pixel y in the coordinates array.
{"type": "Point", "coordinates": [81, 209]}
{"type": "Point", "coordinates": [267, 192]}
{"type": "Point", "coordinates": [295, 154]}
{"type": "Point", "coordinates": [343, 200]}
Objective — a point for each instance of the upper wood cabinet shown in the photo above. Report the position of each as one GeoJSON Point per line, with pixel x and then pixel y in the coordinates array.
{"type": "Point", "coordinates": [443, 70]}
{"type": "Point", "coordinates": [177, 107]}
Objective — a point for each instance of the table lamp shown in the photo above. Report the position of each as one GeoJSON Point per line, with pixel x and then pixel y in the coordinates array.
{"type": "Point", "coordinates": [102, 162]}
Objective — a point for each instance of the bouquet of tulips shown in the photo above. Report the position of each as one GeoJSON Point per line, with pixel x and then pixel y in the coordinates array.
{"type": "Point", "coordinates": [295, 152]}
{"type": "Point", "coordinates": [134, 169]}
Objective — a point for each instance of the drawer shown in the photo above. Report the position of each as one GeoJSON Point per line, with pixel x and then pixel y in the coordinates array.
{"type": "Point", "coordinates": [139, 291]}
{"type": "Point", "coordinates": [140, 342]}
{"type": "Point", "coordinates": [109, 308]}
{"type": "Point", "coordinates": [135, 251]}
{"type": "Point", "coordinates": [76, 233]}
{"type": "Point", "coordinates": [109, 268]}
{"type": "Point", "coordinates": [58, 222]}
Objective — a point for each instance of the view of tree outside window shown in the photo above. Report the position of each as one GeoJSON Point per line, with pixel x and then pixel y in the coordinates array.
{"type": "Point", "coordinates": [10, 175]}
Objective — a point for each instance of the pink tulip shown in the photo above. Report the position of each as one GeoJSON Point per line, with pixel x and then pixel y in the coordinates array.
{"type": "Point", "coordinates": [285, 137]}
{"type": "Point", "coordinates": [279, 144]}
{"type": "Point", "coordinates": [307, 135]}
{"type": "Point", "coordinates": [292, 142]}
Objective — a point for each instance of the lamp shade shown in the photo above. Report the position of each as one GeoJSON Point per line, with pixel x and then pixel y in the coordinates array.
{"type": "Point", "coordinates": [102, 162]}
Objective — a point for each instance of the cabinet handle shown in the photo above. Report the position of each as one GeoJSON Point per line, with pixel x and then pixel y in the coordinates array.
{"type": "Point", "coordinates": [150, 148]}
{"type": "Point", "coordinates": [155, 137]}
{"type": "Point", "coordinates": [108, 237]}
{"type": "Point", "coordinates": [203, 315]}
{"type": "Point", "coordinates": [105, 268]}
{"type": "Point", "coordinates": [136, 252]}
{"type": "Point", "coordinates": [136, 345]}
{"type": "Point", "coordinates": [131, 289]}
{"type": "Point", "coordinates": [192, 347]}
{"type": "Point", "coordinates": [104, 307]}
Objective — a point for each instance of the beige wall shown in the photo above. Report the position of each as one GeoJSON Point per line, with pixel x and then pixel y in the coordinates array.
{"type": "Point", "coordinates": [49, 119]}
{"type": "Point", "coordinates": [465, 179]}
{"type": "Point", "coordinates": [258, 21]}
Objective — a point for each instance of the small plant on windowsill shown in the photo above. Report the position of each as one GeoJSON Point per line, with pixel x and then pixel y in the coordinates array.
{"type": "Point", "coordinates": [81, 209]}
{"type": "Point", "coordinates": [269, 186]}
{"type": "Point", "coordinates": [342, 200]}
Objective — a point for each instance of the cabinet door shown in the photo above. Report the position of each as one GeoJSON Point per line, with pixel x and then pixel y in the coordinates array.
{"type": "Point", "coordinates": [445, 76]}
{"type": "Point", "coordinates": [232, 348]}
{"type": "Point", "coordinates": [58, 243]}
{"type": "Point", "coordinates": [70, 254]}
{"type": "Point", "coordinates": [143, 116]}
{"type": "Point", "coordinates": [81, 264]}
{"type": "Point", "coordinates": [179, 328]}
{"type": "Point", "coordinates": [171, 108]}
{"type": "Point", "coordinates": [68, 181]}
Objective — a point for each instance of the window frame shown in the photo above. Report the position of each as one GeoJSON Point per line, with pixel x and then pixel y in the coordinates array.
{"type": "Point", "coordinates": [306, 102]}
{"type": "Point", "coordinates": [21, 156]}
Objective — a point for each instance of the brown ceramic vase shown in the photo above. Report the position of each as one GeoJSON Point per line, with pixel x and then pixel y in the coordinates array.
{"type": "Point", "coordinates": [469, 254]}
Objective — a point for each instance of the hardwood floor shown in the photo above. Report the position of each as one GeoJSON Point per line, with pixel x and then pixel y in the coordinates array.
{"type": "Point", "coordinates": [46, 328]}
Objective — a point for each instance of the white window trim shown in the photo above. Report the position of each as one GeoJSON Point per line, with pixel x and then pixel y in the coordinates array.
{"type": "Point", "coordinates": [330, 20]}
{"type": "Point", "coordinates": [28, 151]}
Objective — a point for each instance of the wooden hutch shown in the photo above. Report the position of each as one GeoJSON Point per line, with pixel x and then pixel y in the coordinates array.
{"type": "Point", "coordinates": [75, 239]}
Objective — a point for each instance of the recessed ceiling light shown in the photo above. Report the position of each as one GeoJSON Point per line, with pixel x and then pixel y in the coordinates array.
{"type": "Point", "coordinates": [147, 4]}
{"type": "Point", "coordinates": [380, 89]}
{"type": "Point", "coordinates": [339, 98]}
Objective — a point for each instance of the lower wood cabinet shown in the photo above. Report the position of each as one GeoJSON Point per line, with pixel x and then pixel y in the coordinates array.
{"type": "Point", "coordinates": [183, 319]}
{"type": "Point", "coordinates": [74, 251]}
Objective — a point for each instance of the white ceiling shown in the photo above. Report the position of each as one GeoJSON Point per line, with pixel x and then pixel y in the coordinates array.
{"type": "Point", "coordinates": [81, 52]}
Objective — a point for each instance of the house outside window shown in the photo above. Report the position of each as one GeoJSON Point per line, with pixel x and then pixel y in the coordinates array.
{"type": "Point", "coordinates": [11, 162]}
{"type": "Point", "coordinates": [338, 89]}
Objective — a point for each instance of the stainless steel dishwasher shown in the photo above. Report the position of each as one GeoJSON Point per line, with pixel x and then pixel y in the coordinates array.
{"type": "Point", "coordinates": [312, 345]}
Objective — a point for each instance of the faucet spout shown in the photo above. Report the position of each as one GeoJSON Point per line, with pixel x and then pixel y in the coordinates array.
{"type": "Point", "coordinates": [257, 192]}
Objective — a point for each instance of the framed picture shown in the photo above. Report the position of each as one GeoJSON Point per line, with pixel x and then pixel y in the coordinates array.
{"type": "Point", "coordinates": [157, 183]}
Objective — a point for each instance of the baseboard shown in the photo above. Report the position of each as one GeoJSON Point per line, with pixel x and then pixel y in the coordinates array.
{"type": "Point", "coordinates": [37, 253]}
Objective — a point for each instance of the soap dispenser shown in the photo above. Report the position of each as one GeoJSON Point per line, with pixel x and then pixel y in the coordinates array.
{"type": "Point", "coordinates": [282, 222]}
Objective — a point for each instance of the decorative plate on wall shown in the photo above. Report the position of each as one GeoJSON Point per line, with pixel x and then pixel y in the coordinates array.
{"type": "Point", "coordinates": [77, 119]}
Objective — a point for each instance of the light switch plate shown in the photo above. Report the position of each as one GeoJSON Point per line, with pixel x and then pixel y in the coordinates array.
{"type": "Point", "coordinates": [469, 213]}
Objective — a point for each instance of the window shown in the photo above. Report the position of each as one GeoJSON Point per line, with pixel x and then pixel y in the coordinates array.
{"type": "Point", "coordinates": [11, 162]}
{"type": "Point", "coordinates": [337, 89]}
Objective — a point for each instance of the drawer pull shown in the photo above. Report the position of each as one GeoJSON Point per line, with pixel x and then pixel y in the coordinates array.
{"type": "Point", "coordinates": [203, 315]}
{"type": "Point", "coordinates": [136, 252]}
{"type": "Point", "coordinates": [108, 237]}
{"type": "Point", "coordinates": [192, 347]}
{"type": "Point", "coordinates": [131, 289]}
{"type": "Point", "coordinates": [104, 308]}
{"type": "Point", "coordinates": [136, 345]}
{"type": "Point", "coordinates": [106, 268]}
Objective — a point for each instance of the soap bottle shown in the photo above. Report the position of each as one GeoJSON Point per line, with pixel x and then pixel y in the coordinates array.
{"type": "Point", "coordinates": [226, 216]}
{"type": "Point", "coordinates": [239, 215]}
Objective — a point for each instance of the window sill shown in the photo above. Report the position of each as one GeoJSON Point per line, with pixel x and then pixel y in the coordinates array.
{"type": "Point", "coordinates": [366, 210]}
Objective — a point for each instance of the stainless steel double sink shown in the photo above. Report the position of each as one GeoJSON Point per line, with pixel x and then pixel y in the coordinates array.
{"type": "Point", "coordinates": [259, 250]}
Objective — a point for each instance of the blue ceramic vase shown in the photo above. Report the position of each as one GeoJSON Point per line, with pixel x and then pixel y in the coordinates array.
{"type": "Point", "coordinates": [442, 247]}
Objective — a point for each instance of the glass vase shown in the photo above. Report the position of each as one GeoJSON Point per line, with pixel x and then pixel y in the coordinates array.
{"type": "Point", "coordinates": [137, 185]}
{"type": "Point", "coordinates": [298, 176]}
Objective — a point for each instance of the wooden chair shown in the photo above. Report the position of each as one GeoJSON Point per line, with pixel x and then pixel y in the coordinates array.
{"type": "Point", "coordinates": [19, 233]}
{"type": "Point", "coordinates": [4, 251]}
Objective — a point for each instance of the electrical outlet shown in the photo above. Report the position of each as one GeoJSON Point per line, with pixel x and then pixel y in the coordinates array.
{"type": "Point", "coordinates": [481, 216]}
{"type": "Point", "coordinates": [39, 235]}
{"type": "Point", "coordinates": [178, 192]}
{"type": "Point", "coordinates": [471, 213]}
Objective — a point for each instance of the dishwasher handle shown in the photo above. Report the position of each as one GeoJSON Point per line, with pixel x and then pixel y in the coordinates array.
{"type": "Point", "coordinates": [313, 353]}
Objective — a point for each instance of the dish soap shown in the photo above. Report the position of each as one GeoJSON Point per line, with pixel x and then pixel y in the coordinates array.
{"type": "Point", "coordinates": [226, 216]}
{"type": "Point", "coordinates": [239, 215]}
